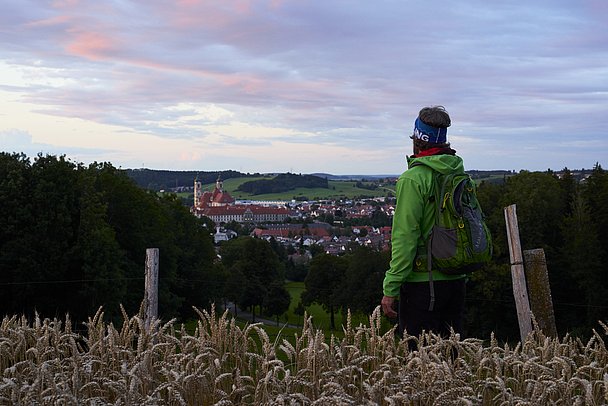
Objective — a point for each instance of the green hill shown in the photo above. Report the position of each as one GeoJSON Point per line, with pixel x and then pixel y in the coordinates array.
{"type": "Point", "coordinates": [283, 182]}
{"type": "Point", "coordinates": [335, 189]}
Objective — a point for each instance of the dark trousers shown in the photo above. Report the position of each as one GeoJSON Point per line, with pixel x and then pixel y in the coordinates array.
{"type": "Point", "coordinates": [448, 311]}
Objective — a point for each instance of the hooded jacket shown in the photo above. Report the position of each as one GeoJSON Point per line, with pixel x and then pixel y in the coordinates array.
{"type": "Point", "coordinates": [414, 218]}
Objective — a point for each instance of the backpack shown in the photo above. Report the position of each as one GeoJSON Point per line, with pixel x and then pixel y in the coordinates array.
{"type": "Point", "coordinates": [459, 241]}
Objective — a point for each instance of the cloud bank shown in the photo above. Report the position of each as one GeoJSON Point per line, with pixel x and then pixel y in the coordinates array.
{"type": "Point", "coordinates": [322, 86]}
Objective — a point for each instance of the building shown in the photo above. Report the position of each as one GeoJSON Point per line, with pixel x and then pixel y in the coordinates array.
{"type": "Point", "coordinates": [220, 207]}
{"type": "Point", "coordinates": [217, 198]}
{"type": "Point", "coordinates": [223, 235]}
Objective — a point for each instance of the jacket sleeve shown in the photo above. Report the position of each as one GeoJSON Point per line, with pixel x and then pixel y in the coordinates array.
{"type": "Point", "coordinates": [406, 234]}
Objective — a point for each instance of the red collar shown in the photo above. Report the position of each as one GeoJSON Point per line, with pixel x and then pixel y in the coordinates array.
{"type": "Point", "coordinates": [432, 151]}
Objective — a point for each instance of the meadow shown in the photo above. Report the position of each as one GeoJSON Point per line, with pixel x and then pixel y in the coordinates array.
{"type": "Point", "coordinates": [337, 188]}
{"type": "Point", "coordinates": [221, 363]}
{"type": "Point", "coordinates": [319, 316]}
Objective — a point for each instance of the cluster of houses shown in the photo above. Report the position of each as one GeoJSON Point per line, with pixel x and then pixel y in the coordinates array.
{"type": "Point", "coordinates": [269, 218]}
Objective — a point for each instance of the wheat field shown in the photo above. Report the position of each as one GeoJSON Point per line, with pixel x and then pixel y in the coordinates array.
{"type": "Point", "coordinates": [43, 362]}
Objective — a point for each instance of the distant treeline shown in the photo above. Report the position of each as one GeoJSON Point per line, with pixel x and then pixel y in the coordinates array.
{"type": "Point", "coordinates": [156, 180]}
{"type": "Point", "coordinates": [283, 183]}
{"type": "Point", "coordinates": [475, 174]}
{"type": "Point", "coordinates": [165, 180]}
{"type": "Point", "coordinates": [498, 176]}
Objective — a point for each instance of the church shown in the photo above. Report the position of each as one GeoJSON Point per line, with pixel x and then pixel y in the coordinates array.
{"type": "Point", "coordinates": [221, 207]}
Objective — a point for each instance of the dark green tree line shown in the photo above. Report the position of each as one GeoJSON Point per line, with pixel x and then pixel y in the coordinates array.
{"type": "Point", "coordinates": [159, 179]}
{"type": "Point", "coordinates": [567, 219]}
{"type": "Point", "coordinates": [73, 238]}
{"type": "Point", "coordinates": [283, 183]}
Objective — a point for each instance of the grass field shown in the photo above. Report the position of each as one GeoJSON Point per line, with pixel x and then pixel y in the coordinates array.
{"type": "Point", "coordinates": [337, 188]}
{"type": "Point", "coordinates": [319, 315]}
{"type": "Point", "coordinates": [320, 318]}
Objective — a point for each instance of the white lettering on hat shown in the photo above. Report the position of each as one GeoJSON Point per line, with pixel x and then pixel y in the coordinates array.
{"type": "Point", "coordinates": [420, 135]}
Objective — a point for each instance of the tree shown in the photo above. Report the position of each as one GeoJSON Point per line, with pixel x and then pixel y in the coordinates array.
{"type": "Point", "coordinates": [299, 309]}
{"type": "Point", "coordinates": [101, 258]}
{"type": "Point", "coordinates": [490, 305]}
{"type": "Point", "coordinates": [141, 220]}
{"type": "Point", "coordinates": [586, 277]}
{"type": "Point", "coordinates": [540, 206]}
{"type": "Point", "coordinates": [316, 249]}
{"type": "Point", "coordinates": [73, 238]}
{"type": "Point", "coordinates": [539, 200]}
{"type": "Point", "coordinates": [277, 300]}
{"type": "Point", "coordinates": [568, 185]}
{"type": "Point", "coordinates": [198, 282]}
{"type": "Point", "coordinates": [361, 287]}
{"type": "Point", "coordinates": [259, 265]}
{"type": "Point", "coordinates": [595, 194]}
{"type": "Point", "coordinates": [278, 249]}
{"type": "Point", "coordinates": [586, 252]}
{"type": "Point", "coordinates": [295, 271]}
{"type": "Point", "coordinates": [322, 283]}
{"type": "Point", "coordinates": [17, 220]}
{"type": "Point", "coordinates": [380, 218]}
{"type": "Point", "coordinates": [234, 286]}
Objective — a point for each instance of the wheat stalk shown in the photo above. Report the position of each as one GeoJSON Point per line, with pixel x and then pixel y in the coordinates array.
{"type": "Point", "coordinates": [45, 362]}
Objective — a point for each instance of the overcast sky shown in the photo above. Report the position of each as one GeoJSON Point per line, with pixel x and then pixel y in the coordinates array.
{"type": "Point", "coordinates": [304, 86]}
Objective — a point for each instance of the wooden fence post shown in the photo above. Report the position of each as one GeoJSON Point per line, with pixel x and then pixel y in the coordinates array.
{"type": "Point", "coordinates": [151, 284]}
{"type": "Point", "coordinates": [520, 291]}
{"type": "Point", "coordinates": [541, 303]}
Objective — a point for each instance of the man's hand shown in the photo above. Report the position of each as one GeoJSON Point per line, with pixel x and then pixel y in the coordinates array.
{"type": "Point", "coordinates": [388, 306]}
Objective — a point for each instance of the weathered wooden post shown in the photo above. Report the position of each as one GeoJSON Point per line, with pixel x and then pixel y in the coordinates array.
{"type": "Point", "coordinates": [151, 284]}
{"type": "Point", "coordinates": [518, 276]}
{"type": "Point", "coordinates": [541, 303]}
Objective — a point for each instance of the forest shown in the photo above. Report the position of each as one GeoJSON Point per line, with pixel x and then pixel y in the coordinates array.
{"type": "Point", "coordinates": [73, 238]}
{"type": "Point", "coordinates": [152, 179]}
{"type": "Point", "coordinates": [282, 183]}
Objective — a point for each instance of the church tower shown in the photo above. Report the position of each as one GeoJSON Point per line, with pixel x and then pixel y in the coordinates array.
{"type": "Point", "coordinates": [198, 191]}
{"type": "Point", "coordinates": [219, 185]}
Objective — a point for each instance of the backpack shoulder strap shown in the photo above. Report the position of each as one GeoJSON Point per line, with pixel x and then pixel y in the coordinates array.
{"type": "Point", "coordinates": [437, 190]}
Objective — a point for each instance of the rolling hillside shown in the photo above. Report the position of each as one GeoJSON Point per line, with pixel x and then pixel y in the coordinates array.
{"type": "Point", "coordinates": [346, 189]}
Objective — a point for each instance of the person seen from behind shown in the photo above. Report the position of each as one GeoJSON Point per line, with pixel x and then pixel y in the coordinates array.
{"type": "Point", "coordinates": [407, 295]}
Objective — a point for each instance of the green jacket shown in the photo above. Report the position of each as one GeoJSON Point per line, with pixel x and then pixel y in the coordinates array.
{"type": "Point", "coordinates": [414, 217]}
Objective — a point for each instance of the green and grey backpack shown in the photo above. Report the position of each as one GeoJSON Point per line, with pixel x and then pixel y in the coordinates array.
{"type": "Point", "coordinates": [460, 241]}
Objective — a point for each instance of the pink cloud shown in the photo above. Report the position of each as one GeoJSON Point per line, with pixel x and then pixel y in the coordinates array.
{"type": "Point", "coordinates": [49, 22]}
{"type": "Point", "coordinates": [214, 14]}
{"type": "Point", "coordinates": [92, 45]}
{"type": "Point", "coordinates": [188, 3]}
{"type": "Point", "coordinates": [65, 3]}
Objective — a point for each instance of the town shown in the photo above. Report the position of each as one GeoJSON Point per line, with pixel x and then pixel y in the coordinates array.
{"type": "Point", "coordinates": [303, 227]}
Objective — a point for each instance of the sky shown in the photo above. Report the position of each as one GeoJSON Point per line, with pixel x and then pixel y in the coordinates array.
{"type": "Point", "coordinates": [300, 86]}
